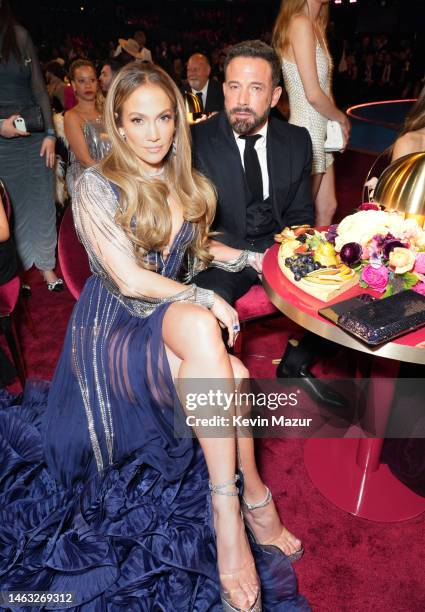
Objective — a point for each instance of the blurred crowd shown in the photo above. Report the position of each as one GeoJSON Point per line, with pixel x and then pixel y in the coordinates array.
{"type": "Point", "coordinates": [379, 67]}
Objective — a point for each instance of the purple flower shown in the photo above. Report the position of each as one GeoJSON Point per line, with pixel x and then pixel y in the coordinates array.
{"type": "Point", "coordinates": [389, 245]}
{"type": "Point", "coordinates": [332, 233]}
{"type": "Point", "coordinates": [375, 278]}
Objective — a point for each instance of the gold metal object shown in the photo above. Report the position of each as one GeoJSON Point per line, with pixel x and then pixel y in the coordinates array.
{"type": "Point", "coordinates": [401, 186]}
{"type": "Point", "coordinates": [192, 105]}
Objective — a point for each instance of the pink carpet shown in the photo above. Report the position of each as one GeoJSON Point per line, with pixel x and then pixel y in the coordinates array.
{"type": "Point", "coordinates": [350, 565]}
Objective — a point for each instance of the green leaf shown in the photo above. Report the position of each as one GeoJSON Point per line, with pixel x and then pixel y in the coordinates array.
{"type": "Point", "coordinates": [363, 284]}
{"type": "Point", "coordinates": [409, 280]}
{"type": "Point", "coordinates": [388, 291]}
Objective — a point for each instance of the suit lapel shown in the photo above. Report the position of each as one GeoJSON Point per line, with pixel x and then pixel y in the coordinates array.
{"type": "Point", "coordinates": [279, 167]}
{"type": "Point", "coordinates": [232, 181]}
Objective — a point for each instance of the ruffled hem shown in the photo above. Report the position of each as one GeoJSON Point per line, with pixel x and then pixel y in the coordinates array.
{"type": "Point", "coordinates": [126, 539]}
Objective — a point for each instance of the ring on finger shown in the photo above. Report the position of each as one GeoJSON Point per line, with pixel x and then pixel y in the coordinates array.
{"type": "Point", "coordinates": [236, 327]}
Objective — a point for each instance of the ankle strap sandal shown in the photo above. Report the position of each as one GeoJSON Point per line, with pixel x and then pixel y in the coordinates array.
{"type": "Point", "coordinates": [219, 489]}
{"type": "Point", "coordinates": [274, 544]}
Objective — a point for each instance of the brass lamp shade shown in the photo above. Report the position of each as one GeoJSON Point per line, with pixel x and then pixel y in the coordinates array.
{"type": "Point", "coordinates": [192, 105]}
{"type": "Point", "coordinates": [401, 186]}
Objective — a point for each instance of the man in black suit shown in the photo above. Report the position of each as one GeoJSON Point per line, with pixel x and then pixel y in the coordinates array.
{"type": "Point", "coordinates": [261, 169]}
{"type": "Point", "coordinates": [209, 91]}
{"type": "Point", "coordinates": [259, 165]}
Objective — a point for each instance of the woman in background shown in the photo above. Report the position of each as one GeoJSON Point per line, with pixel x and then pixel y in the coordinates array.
{"type": "Point", "coordinates": [300, 39]}
{"type": "Point", "coordinates": [83, 124]}
{"type": "Point", "coordinates": [26, 160]}
{"type": "Point", "coordinates": [412, 136]}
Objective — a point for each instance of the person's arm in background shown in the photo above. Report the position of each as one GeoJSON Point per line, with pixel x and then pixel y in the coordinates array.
{"type": "Point", "coordinates": [41, 96]}
{"type": "Point", "coordinates": [403, 146]}
{"type": "Point", "coordinates": [301, 209]}
{"type": "Point", "coordinates": [76, 140]}
{"type": "Point", "coordinates": [8, 130]}
{"type": "Point", "coordinates": [303, 42]}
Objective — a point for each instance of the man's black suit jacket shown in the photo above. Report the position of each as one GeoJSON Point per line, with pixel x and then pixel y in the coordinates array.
{"type": "Point", "coordinates": [289, 153]}
{"type": "Point", "coordinates": [215, 96]}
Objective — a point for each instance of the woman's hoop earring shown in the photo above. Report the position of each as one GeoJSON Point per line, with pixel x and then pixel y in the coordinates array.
{"type": "Point", "coordinates": [174, 148]}
{"type": "Point", "coordinates": [122, 134]}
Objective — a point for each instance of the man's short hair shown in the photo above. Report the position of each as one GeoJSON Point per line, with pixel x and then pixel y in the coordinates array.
{"type": "Point", "coordinates": [256, 49]}
{"type": "Point", "coordinates": [114, 64]}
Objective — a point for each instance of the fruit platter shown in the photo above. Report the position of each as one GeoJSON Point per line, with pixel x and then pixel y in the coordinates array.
{"type": "Point", "coordinates": [310, 261]}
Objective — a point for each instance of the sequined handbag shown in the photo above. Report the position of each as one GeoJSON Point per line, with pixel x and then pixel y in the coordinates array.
{"type": "Point", "coordinates": [383, 320]}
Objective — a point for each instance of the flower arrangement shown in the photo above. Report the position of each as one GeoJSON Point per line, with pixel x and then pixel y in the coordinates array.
{"type": "Point", "coordinates": [386, 250]}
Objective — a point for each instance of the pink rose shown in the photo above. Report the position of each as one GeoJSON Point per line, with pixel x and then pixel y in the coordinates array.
{"type": "Point", "coordinates": [369, 206]}
{"type": "Point", "coordinates": [375, 278]}
{"type": "Point", "coordinates": [419, 288]}
{"type": "Point", "coordinates": [401, 260]}
{"type": "Point", "coordinates": [420, 263]}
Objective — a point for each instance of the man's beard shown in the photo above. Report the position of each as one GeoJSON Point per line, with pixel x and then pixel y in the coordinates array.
{"type": "Point", "coordinates": [248, 125]}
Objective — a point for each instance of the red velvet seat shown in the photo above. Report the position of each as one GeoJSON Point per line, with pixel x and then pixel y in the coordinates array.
{"type": "Point", "coordinates": [9, 296]}
{"type": "Point", "coordinates": [255, 304]}
{"type": "Point", "coordinates": [72, 256]}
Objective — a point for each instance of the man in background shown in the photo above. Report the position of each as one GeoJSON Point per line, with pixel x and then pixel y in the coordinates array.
{"type": "Point", "coordinates": [209, 91]}
{"type": "Point", "coordinates": [107, 73]}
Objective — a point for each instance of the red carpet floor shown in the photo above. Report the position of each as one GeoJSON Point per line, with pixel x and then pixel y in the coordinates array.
{"type": "Point", "coordinates": [350, 565]}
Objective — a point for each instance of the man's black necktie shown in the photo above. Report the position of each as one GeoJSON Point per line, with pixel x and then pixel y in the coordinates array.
{"type": "Point", "coordinates": [201, 102]}
{"type": "Point", "coordinates": [252, 167]}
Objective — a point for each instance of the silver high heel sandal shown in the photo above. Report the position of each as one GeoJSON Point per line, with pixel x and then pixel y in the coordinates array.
{"type": "Point", "coordinates": [296, 556]}
{"type": "Point", "coordinates": [220, 489]}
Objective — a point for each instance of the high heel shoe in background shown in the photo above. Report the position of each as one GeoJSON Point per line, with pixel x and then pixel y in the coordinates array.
{"type": "Point", "coordinates": [56, 285]}
{"type": "Point", "coordinates": [226, 593]}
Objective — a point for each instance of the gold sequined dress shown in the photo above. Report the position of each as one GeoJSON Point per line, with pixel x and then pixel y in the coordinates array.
{"type": "Point", "coordinates": [301, 111]}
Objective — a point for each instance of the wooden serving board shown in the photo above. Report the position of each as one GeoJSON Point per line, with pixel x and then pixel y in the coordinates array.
{"type": "Point", "coordinates": [325, 293]}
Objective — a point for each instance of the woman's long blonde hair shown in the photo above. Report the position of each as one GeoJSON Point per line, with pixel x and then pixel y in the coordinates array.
{"type": "Point", "coordinates": [144, 213]}
{"type": "Point", "coordinates": [288, 9]}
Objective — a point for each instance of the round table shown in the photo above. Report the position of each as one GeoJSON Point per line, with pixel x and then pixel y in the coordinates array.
{"type": "Point", "coordinates": [348, 472]}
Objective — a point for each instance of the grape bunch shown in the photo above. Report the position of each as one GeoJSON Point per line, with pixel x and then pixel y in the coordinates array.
{"type": "Point", "coordinates": [301, 265]}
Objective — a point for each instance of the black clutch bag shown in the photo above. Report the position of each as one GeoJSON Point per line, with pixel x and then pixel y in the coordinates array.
{"type": "Point", "coordinates": [383, 320]}
{"type": "Point", "coordinates": [31, 114]}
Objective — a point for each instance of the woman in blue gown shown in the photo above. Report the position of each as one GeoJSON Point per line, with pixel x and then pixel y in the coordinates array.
{"type": "Point", "coordinates": [99, 497]}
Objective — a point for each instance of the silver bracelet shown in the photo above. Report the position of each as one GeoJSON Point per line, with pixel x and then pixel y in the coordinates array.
{"type": "Point", "coordinates": [204, 297]}
{"type": "Point", "coordinates": [236, 265]}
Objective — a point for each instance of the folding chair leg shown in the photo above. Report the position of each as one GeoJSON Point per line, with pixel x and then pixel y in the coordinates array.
{"type": "Point", "coordinates": [9, 331]}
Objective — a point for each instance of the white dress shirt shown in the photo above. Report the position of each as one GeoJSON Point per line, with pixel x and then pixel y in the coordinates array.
{"type": "Point", "coordinates": [204, 93]}
{"type": "Point", "coordinates": [261, 148]}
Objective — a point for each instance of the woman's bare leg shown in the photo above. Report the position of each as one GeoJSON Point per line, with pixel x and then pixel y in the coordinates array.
{"type": "Point", "coordinates": [195, 350]}
{"type": "Point", "coordinates": [265, 522]}
{"type": "Point", "coordinates": [325, 198]}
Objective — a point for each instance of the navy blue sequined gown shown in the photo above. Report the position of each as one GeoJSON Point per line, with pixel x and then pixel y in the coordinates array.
{"type": "Point", "coordinates": [98, 498]}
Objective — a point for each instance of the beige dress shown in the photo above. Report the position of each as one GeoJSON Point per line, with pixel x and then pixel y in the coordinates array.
{"type": "Point", "coordinates": [302, 113]}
